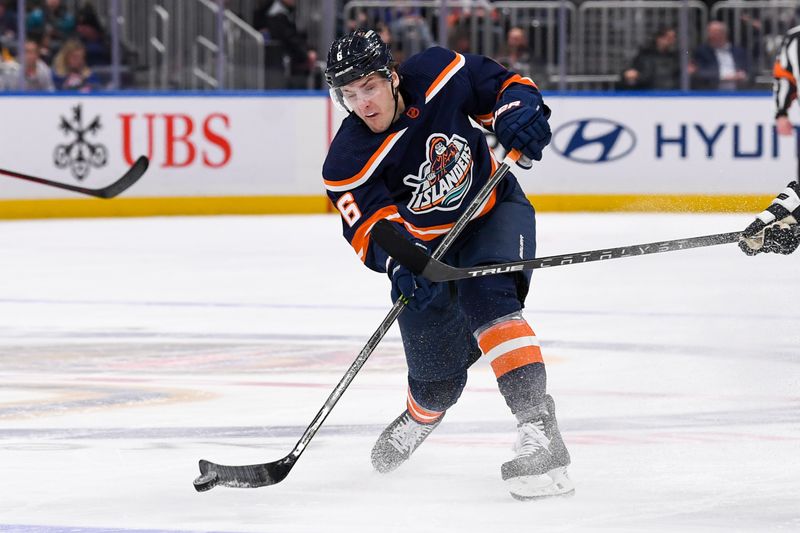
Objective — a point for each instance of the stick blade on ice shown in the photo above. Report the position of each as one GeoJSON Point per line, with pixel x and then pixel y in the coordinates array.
{"type": "Point", "coordinates": [244, 477]}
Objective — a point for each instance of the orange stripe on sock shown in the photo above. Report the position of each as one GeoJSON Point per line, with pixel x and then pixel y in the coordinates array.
{"type": "Point", "coordinates": [514, 359]}
{"type": "Point", "coordinates": [502, 332]}
{"type": "Point", "coordinates": [419, 413]}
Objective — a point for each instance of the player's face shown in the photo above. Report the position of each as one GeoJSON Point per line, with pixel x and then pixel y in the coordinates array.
{"type": "Point", "coordinates": [372, 100]}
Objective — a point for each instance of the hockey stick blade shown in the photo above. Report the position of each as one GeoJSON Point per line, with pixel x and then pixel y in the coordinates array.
{"type": "Point", "coordinates": [129, 178]}
{"type": "Point", "coordinates": [388, 237]}
{"type": "Point", "coordinates": [243, 477]}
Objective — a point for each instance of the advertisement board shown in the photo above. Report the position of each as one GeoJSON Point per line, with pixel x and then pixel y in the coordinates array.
{"type": "Point", "coordinates": [263, 153]}
{"type": "Point", "coordinates": [664, 145]}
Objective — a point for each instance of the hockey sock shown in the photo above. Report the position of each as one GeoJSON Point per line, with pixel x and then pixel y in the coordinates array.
{"type": "Point", "coordinates": [419, 413]}
{"type": "Point", "coordinates": [513, 350]}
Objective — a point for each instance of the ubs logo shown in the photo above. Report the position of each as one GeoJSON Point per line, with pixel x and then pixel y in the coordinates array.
{"type": "Point", "coordinates": [80, 154]}
{"type": "Point", "coordinates": [593, 140]}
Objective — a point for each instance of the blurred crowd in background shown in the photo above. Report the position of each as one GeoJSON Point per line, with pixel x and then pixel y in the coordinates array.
{"type": "Point", "coordinates": [61, 47]}
{"type": "Point", "coordinates": [67, 44]}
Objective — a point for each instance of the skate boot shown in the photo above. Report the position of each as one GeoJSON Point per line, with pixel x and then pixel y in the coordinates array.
{"type": "Point", "coordinates": [540, 468]}
{"type": "Point", "coordinates": [399, 440]}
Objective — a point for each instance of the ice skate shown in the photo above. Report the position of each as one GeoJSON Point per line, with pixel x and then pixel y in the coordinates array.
{"type": "Point", "coordinates": [399, 440]}
{"type": "Point", "coordinates": [539, 469]}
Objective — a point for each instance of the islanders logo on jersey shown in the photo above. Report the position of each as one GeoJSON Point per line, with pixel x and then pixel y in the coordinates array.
{"type": "Point", "coordinates": [444, 177]}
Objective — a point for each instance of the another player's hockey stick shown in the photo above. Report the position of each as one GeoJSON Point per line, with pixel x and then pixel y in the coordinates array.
{"type": "Point", "coordinates": [129, 178]}
{"type": "Point", "coordinates": [261, 475]}
{"type": "Point", "coordinates": [416, 260]}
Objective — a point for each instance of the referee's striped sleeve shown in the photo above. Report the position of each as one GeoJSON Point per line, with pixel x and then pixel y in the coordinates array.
{"type": "Point", "coordinates": [785, 72]}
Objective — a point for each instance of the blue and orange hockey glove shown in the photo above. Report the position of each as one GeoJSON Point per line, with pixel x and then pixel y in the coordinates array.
{"type": "Point", "coordinates": [520, 122]}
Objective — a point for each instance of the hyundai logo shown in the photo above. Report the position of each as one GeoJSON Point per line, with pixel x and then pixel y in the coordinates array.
{"type": "Point", "coordinates": [593, 140]}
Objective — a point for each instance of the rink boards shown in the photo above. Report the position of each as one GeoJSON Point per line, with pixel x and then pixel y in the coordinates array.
{"type": "Point", "coordinates": [248, 153]}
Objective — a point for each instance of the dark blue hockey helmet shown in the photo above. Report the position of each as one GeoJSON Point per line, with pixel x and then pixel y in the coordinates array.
{"type": "Point", "coordinates": [357, 55]}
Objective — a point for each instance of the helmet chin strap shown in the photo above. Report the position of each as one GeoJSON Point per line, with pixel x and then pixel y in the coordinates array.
{"type": "Point", "coordinates": [396, 95]}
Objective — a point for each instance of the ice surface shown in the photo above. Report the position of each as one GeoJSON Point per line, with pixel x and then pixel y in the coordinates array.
{"type": "Point", "coordinates": [131, 348]}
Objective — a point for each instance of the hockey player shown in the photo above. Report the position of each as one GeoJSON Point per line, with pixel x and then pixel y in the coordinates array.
{"type": "Point", "coordinates": [771, 231]}
{"type": "Point", "coordinates": [409, 154]}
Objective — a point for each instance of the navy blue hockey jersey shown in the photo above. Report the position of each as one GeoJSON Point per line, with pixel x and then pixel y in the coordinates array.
{"type": "Point", "coordinates": [426, 168]}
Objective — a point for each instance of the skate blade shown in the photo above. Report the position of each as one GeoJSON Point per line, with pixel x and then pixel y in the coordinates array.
{"type": "Point", "coordinates": [556, 482]}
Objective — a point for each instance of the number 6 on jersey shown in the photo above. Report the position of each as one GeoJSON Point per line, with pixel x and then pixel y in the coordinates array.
{"type": "Point", "coordinates": [349, 209]}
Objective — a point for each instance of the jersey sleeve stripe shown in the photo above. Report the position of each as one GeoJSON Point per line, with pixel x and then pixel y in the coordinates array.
{"type": "Point", "coordinates": [444, 76]}
{"type": "Point", "coordinates": [785, 73]}
{"type": "Point", "coordinates": [485, 120]}
{"type": "Point", "coordinates": [516, 78]}
{"type": "Point", "coordinates": [360, 241]}
{"type": "Point", "coordinates": [368, 169]}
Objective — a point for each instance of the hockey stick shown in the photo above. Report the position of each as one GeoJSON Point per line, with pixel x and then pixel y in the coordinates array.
{"type": "Point", "coordinates": [129, 178]}
{"type": "Point", "coordinates": [261, 475]}
{"type": "Point", "coordinates": [416, 260]}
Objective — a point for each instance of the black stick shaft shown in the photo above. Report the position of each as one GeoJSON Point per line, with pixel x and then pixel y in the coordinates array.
{"type": "Point", "coordinates": [592, 256]}
{"type": "Point", "coordinates": [397, 246]}
{"type": "Point", "coordinates": [438, 271]}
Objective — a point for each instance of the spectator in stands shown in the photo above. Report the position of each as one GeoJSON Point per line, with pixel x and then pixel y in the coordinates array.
{"type": "Point", "coordinates": [276, 20]}
{"type": "Point", "coordinates": [717, 64]}
{"type": "Point", "coordinates": [53, 19]}
{"type": "Point", "coordinates": [384, 33]}
{"type": "Point", "coordinates": [471, 23]}
{"type": "Point", "coordinates": [93, 36]}
{"type": "Point", "coordinates": [411, 34]}
{"type": "Point", "coordinates": [517, 56]}
{"type": "Point", "coordinates": [656, 66]}
{"type": "Point", "coordinates": [38, 76]}
{"type": "Point", "coordinates": [459, 41]}
{"type": "Point", "coordinates": [70, 72]}
{"type": "Point", "coordinates": [8, 23]}
{"type": "Point", "coordinates": [9, 71]}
